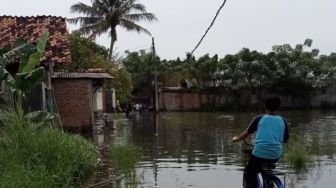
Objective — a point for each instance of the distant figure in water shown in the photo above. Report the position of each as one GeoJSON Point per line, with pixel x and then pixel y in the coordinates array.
{"type": "Point", "coordinates": [271, 131]}
{"type": "Point", "coordinates": [137, 107]}
{"type": "Point", "coordinates": [128, 110]}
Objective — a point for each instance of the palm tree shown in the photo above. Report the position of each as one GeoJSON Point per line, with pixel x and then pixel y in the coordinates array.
{"type": "Point", "coordinates": [105, 15]}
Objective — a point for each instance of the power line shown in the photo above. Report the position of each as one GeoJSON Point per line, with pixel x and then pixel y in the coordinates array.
{"type": "Point", "coordinates": [212, 23]}
{"type": "Point", "coordinates": [199, 43]}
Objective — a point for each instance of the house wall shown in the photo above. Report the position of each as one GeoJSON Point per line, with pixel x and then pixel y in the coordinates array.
{"type": "Point", "coordinates": [74, 102]}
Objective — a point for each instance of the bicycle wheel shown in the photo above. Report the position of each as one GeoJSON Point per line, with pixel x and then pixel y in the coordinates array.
{"type": "Point", "coordinates": [275, 182]}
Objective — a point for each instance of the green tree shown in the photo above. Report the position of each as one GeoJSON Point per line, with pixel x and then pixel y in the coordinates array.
{"type": "Point", "coordinates": [105, 15]}
{"type": "Point", "coordinates": [328, 69]}
{"type": "Point", "coordinates": [297, 69]}
{"type": "Point", "coordinates": [122, 83]}
{"type": "Point", "coordinates": [141, 66]}
{"type": "Point", "coordinates": [86, 54]}
{"type": "Point", "coordinates": [252, 68]}
{"type": "Point", "coordinates": [204, 70]}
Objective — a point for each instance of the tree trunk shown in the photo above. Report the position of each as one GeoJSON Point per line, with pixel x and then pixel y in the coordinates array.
{"type": "Point", "coordinates": [113, 40]}
{"type": "Point", "coordinates": [111, 49]}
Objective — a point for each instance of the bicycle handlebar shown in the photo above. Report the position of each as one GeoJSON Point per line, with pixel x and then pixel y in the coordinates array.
{"type": "Point", "coordinates": [247, 143]}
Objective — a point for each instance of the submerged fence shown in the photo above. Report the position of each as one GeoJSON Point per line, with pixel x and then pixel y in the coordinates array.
{"type": "Point", "coordinates": [33, 101]}
{"type": "Point", "coordinates": [40, 98]}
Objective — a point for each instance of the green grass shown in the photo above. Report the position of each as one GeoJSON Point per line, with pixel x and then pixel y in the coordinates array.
{"type": "Point", "coordinates": [125, 159]}
{"type": "Point", "coordinates": [44, 157]}
{"type": "Point", "coordinates": [117, 115]}
{"type": "Point", "coordinates": [125, 156]}
{"type": "Point", "coordinates": [298, 155]}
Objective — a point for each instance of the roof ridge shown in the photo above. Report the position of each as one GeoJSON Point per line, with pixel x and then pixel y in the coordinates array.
{"type": "Point", "coordinates": [36, 16]}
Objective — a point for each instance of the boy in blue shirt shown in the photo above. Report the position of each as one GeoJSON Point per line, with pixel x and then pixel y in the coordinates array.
{"type": "Point", "coordinates": [271, 131]}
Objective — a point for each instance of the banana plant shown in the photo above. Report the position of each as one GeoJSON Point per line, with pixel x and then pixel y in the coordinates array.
{"type": "Point", "coordinates": [28, 76]}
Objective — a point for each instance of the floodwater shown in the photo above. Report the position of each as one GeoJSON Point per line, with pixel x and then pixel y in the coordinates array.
{"type": "Point", "coordinates": [194, 149]}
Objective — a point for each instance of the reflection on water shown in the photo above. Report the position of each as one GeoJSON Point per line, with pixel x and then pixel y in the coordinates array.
{"type": "Point", "coordinates": [195, 150]}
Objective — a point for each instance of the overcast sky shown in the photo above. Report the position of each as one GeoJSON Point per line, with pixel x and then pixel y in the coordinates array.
{"type": "Point", "coordinates": [256, 24]}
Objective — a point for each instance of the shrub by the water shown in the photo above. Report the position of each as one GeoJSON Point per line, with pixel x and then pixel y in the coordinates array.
{"type": "Point", "coordinates": [125, 156]}
{"type": "Point", "coordinates": [42, 157]}
{"type": "Point", "coordinates": [32, 155]}
{"type": "Point", "coordinates": [298, 155]}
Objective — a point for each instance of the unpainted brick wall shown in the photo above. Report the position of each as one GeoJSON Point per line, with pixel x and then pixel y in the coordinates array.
{"type": "Point", "coordinates": [74, 102]}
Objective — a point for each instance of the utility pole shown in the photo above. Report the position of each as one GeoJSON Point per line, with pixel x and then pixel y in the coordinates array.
{"type": "Point", "coordinates": [156, 98]}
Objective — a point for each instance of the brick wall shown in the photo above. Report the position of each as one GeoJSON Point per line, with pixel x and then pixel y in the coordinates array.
{"type": "Point", "coordinates": [74, 102]}
{"type": "Point", "coordinates": [185, 100]}
{"type": "Point", "coordinates": [176, 101]}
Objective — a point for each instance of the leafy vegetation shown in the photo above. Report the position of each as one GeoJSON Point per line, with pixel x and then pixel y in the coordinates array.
{"type": "Point", "coordinates": [45, 157]}
{"type": "Point", "coordinates": [298, 156]}
{"type": "Point", "coordinates": [141, 66]}
{"type": "Point", "coordinates": [125, 158]}
{"type": "Point", "coordinates": [286, 69]}
{"type": "Point", "coordinates": [32, 153]}
{"type": "Point", "coordinates": [86, 54]}
{"type": "Point", "coordinates": [29, 75]}
{"type": "Point", "coordinates": [105, 15]}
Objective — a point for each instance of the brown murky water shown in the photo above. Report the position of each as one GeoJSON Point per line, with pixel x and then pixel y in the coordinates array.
{"type": "Point", "coordinates": [193, 149]}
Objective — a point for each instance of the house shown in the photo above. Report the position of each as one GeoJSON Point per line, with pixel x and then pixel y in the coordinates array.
{"type": "Point", "coordinates": [30, 28]}
{"type": "Point", "coordinates": [57, 52]}
{"type": "Point", "coordinates": [76, 96]}
{"type": "Point", "coordinates": [80, 98]}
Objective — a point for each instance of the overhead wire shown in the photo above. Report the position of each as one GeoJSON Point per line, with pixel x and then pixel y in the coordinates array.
{"type": "Point", "coordinates": [208, 29]}
{"type": "Point", "coordinates": [202, 38]}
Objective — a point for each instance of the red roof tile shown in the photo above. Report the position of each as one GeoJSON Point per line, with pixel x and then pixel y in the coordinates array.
{"type": "Point", "coordinates": [30, 28]}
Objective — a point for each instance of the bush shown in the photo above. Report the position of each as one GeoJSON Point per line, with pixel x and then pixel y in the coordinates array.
{"type": "Point", "coordinates": [44, 157]}
{"type": "Point", "coordinates": [125, 156]}
{"type": "Point", "coordinates": [298, 156]}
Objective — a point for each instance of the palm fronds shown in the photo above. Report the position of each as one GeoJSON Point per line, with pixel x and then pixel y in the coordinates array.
{"type": "Point", "coordinates": [103, 16]}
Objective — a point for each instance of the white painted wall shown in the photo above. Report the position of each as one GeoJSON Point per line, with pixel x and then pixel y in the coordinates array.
{"type": "Point", "coordinates": [99, 99]}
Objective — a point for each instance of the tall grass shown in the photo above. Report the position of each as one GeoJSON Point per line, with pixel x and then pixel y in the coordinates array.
{"type": "Point", "coordinates": [43, 157]}
{"type": "Point", "coordinates": [125, 159]}
{"type": "Point", "coordinates": [298, 155]}
{"type": "Point", "coordinates": [125, 156]}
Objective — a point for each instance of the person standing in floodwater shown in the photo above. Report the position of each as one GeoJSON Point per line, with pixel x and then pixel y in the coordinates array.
{"type": "Point", "coordinates": [271, 131]}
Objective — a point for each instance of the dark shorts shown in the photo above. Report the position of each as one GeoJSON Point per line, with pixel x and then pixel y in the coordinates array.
{"type": "Point", "coordinates": [253, 168]}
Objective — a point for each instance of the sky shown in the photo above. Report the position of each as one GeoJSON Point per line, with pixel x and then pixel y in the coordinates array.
{"type": "Point", "coordinates": [255, 24]}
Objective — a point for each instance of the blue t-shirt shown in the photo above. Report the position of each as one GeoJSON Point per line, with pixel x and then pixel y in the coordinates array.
{"type": "Point", "coordinates": [271, 132]}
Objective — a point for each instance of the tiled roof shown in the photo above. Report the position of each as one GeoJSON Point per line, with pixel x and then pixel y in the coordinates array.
{"type": "Point", "coordinates": [76, 75]}
{"type": "Point", "coordinates": [30, 28]}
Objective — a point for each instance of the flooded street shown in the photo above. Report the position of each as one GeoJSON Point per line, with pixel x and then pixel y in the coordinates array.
{"type": "Point", "coordinates": [194, 149]}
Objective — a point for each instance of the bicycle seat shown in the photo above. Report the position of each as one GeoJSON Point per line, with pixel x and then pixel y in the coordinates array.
{"type": "Point", "coordinates": [267, 166]}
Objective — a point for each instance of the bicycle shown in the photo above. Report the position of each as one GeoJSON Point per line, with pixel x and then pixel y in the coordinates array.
{"type": "Point", "coordinates": [267, 177]}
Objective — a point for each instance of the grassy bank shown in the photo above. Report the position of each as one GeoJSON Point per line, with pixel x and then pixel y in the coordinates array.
{"type": "Point", "coordinates": [42, 157]}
